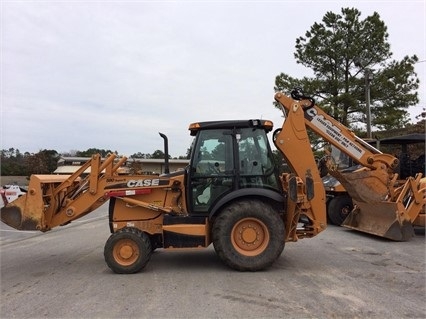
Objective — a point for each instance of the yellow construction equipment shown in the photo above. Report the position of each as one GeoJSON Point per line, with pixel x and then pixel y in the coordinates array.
{"type": "Point", "coordinates": [230, 195]}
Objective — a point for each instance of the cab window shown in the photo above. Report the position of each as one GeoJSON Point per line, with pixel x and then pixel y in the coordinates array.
{"type": "Point", "coordinates": [256, 164]}
{"type": "Point", "coordinates": [211, 168]}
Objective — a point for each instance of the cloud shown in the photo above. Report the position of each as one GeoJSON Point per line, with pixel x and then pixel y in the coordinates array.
{"type": "Point", "coordinates": [113, 74]}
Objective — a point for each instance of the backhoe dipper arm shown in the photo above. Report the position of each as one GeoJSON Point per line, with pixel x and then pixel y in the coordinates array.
{"type": "Point", "coordinates": [335, 132]}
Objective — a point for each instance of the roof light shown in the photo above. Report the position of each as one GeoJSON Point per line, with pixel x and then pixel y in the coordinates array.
{"type": "Point", "coordinates": [269, 124]}
{"type": "Point", "coordinates": [194, 126]}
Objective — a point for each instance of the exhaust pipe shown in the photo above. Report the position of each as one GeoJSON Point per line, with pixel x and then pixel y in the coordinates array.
{"type": "Point", "coordinates": [166, 153]}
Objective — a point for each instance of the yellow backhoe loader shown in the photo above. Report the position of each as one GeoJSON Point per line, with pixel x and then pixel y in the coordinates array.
{"type": "Point", "coordinates": [230, 194]}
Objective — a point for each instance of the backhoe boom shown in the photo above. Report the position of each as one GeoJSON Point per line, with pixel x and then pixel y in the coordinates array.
{"type": "Point", "coordinates": [382, 207]}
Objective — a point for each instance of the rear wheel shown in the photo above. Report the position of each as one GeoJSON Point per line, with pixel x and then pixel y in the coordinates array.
{"type": "Point", "coordinates": [339, 208]}
{"type": "Point", "coordinates": [127, 251]}
{"type": "Point", "coordinates": [248, 235]}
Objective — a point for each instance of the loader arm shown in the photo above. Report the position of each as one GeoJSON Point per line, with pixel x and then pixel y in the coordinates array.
{"type": "Point", "coordinates": [54, 200]}
{"type": "Point", "coordinates": [382, 206]}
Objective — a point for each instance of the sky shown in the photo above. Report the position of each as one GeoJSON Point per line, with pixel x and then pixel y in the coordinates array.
{"type": "Point", "coordinates": [113, 74]}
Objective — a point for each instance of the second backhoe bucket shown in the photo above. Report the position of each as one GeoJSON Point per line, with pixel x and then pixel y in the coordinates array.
{"type": "Point", "coordinates": [375, 212]}
{"type": "Point", "coordinates": [380, 219]}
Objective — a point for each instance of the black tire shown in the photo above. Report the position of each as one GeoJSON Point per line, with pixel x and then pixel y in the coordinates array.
{"type": "Point", "coordinates": [248, 235]}
{"type": "Point", "coordinates": [127, 251]}
{"type": "Point", "coordinates": [338, 209]}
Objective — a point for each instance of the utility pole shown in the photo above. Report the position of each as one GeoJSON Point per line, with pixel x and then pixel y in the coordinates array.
{"type": "Point", "coordinates": [368, 75]}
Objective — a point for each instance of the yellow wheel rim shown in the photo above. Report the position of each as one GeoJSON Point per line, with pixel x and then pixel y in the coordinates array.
{"type": "Point", "coordinates": [126, 252]}
{"type": "Point", "coordinates": [250, 237]}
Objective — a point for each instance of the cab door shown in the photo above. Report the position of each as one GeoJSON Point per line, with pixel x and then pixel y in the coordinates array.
{"type": "Point", "coordinates": [212, 171]}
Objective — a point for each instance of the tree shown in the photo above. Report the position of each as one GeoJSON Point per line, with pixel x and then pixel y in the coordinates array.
{"type": "Point", "coordinates": [158, 154]}
{"type": "Point", "coordinates": [92, 151]}
{"type": "Point", "coordinates": [13, 162]}
{"type": "Point", "coordinates": [43, 162]}
{"type": "Point", "coordinates": [332, 49]}
{"type": "Point", "coordinates": [188, 154]}
{"type": "Point", "coordinates": [140, 155]}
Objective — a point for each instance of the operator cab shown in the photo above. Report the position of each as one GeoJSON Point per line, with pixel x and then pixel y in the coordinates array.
{"type": "Point", "coordinates": [228, 156]}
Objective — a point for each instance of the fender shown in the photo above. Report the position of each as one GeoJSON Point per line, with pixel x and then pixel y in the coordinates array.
{"type": "Point", "coordinates": [246, 192]}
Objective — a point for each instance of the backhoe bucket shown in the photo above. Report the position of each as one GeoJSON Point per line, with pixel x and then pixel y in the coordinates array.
{"type": "Point", "coordinates": [364, 185]}
{"type": "Point", "coordinates": [380, 208]}
{"type": "Point", "coordinates": [380, 219]}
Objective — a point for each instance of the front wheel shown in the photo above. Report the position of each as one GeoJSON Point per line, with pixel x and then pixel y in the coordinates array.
{"type": "Point", "coordinates": [248, 235]}
{"type": "Point", "coordinates": [127, 251]}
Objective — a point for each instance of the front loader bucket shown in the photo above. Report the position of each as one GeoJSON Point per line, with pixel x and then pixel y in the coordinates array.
{"type": "Point", "coordinates": [21, 214]}
{"type": "Point", "coordinates": [28, 211]}
{"type": "Point", "coordinates": [380, 219]}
